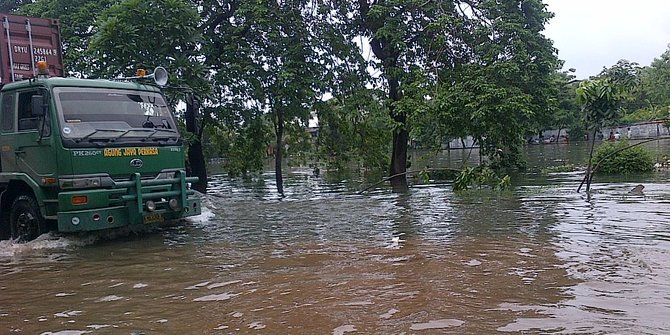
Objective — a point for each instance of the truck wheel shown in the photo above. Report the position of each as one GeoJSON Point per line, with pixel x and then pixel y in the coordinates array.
{"type": "Point", "coordinates": [25, 219]}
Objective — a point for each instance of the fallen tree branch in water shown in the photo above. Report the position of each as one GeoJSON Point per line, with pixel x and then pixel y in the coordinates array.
{"type": "Point", "coordinates": [405, 173]}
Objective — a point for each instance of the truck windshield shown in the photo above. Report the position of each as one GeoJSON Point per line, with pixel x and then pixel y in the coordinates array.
{"type": "Point", "coordinates": [94, 114]}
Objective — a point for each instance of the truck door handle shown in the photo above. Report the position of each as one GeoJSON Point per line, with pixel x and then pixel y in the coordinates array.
{"type": "Point", "coordinates": [19, 152]}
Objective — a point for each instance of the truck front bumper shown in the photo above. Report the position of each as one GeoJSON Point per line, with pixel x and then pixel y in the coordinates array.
{"type": "Point", "coordinates": [128, 203]}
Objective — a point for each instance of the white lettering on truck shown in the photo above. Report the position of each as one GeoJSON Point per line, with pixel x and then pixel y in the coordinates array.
{"type": "Point", "coordinates": [81, 153]}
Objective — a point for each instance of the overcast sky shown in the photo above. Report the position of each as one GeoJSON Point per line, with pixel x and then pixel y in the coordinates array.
{"type": "Point", "coordinates": [590, 34]}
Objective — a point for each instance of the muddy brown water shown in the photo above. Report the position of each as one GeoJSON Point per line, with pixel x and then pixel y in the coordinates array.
{"type": "Point", "coordinates": [541, 259]}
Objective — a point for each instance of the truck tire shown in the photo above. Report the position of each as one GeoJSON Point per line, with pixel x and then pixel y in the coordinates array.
{"type": "Point", "coordinates": [25, 219]}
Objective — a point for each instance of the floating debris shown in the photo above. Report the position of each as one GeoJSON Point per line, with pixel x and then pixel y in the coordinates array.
{"type": "Point", "coordinates": [637, 190]}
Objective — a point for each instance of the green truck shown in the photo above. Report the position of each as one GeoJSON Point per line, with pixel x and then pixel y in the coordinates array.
{"type": "Point", "coordinates": [82, 154]}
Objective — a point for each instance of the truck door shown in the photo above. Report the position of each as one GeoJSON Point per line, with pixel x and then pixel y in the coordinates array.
{"type": "Point", "coordinates": [8, 109]}
{"type": "Point", "coordinates": [30, 143]}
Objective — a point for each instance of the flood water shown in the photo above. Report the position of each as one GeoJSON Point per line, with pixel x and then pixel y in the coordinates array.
{"type": "Point", "coordinates": [540, 259]}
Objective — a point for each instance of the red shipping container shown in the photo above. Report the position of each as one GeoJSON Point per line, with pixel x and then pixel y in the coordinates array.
{"type": "Point", "coordinates": [26, 40]}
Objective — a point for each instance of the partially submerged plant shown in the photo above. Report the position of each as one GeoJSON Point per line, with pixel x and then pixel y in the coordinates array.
{"type": "Point", "coordinates": [481, 176]}
{"type": "Point", "coordinates": [622, 158]}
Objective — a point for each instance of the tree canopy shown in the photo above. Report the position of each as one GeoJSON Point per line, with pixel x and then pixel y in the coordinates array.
{"type": "Point", "coordinates": [376, 73]}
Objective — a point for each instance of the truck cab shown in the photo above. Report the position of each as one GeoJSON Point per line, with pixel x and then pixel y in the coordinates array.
{"type": "Point", "coordinates": [82, 155]}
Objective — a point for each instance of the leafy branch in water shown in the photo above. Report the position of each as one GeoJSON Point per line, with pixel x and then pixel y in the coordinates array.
{"type": "Point", "coordinates": [480, 177]}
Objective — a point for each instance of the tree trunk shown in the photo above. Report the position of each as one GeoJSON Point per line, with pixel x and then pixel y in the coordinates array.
{"type": "Point", "coordinates": [400, 138]}
{"type": "Point", "coordinates": [399, 160]}
{"type": "Point", "coordinates": [196, 158]}
{"type": "Point", "coordinates": [389, 54]}
{"type": "Point", "coordinates": [589, 176]}
{"type": "Point", "coordinates": [589, 173]}
{"type": "Point", "coordinates": [279, 131]}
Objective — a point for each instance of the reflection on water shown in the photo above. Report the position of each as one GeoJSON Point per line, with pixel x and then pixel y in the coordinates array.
{"type": "Point", "coordinates": [325, 260]}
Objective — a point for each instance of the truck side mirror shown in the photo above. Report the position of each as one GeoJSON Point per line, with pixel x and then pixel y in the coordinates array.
{"type": "Point", "coordinates": [39, 106]}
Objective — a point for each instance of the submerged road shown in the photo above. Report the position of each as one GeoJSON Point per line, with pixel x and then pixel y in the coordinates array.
{"type": "Point", "coordinates": [325, 260]}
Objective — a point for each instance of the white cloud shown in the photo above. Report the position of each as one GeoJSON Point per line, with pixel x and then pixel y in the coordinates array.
{"type": "Point", "coordinates": [590, 34]}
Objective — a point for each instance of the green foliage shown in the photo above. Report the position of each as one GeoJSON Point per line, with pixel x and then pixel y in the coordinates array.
{"type": "Point", "coordinates": [600, 99]}
{"type": "Point", "coordinates": [624, 75]}
{"type": "Point", "coordinates": [245, 149]}
{"type": "Point", "coordinates": [481, 177]}
{"type": "Point", "coordinates": [442, 70]}
{"type": "Point", "coordinates": [645, 114]}
{"type": "Point", "coordinates": [568, 113]}
{"type": "Point", "coordinates": [136, 34]}
{"type": "Point", "coordinates": [298, 145]}
{"type": "Point", "coordinates": [641, 94]}
{"type": "Point", "coordinates": [498, 89]}
{"type": "Point", "coordinates": [266, 65]}
{"type": "Point", "coordinates": [356, 130]}
{"type": "Point", "coordinates": [655, 79]}
{"type": "Point", "coordinates": [617, 158]}
{"type": "Point", "coordinates": [423, 175]}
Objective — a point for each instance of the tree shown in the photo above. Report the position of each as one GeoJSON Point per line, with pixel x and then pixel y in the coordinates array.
{"type": "Point", "coordinates": [397, 32]}
{"type": "Point", "coordinates": [623, 74]}
{"type": "Point", "coordinates": [120, 45]}
{"type": "Point", "coordinates": [600, 99]}
{"type": "Point", "coordinates": [478, 68]}
{"type": "Point", "coordinates": [267, 61]}
{"type": "Point", "coordinates": [241, 139]}
{"type": "Point", "coordinates": [627, 77]}
{"type": "Point", "coordinates": [493, 77]}
{"type": "Point", "coordinates": [655, 79]}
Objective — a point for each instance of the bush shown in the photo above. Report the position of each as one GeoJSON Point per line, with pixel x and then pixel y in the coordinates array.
{"type": "Point", "coordinates": [612, 158]}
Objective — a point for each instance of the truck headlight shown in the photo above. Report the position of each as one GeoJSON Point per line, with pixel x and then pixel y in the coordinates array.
{"type": "Point", "coordinates": [87, 182]}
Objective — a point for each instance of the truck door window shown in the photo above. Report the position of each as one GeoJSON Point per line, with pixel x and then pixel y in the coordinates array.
{"type": "Point", "coordinates": [27, 121]}
{"type": "Point", "coordinates": [8, 112]}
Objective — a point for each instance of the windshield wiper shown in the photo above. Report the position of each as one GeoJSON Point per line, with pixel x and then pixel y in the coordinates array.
{"type": "Point", "coordinates": [95, 132]}
{"type": "Point", "coordinates": [121, 135]}
{"type": "Point", "coordinates": [156, 130]}
{"type": "Point", "coordinates": [128, 131]}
